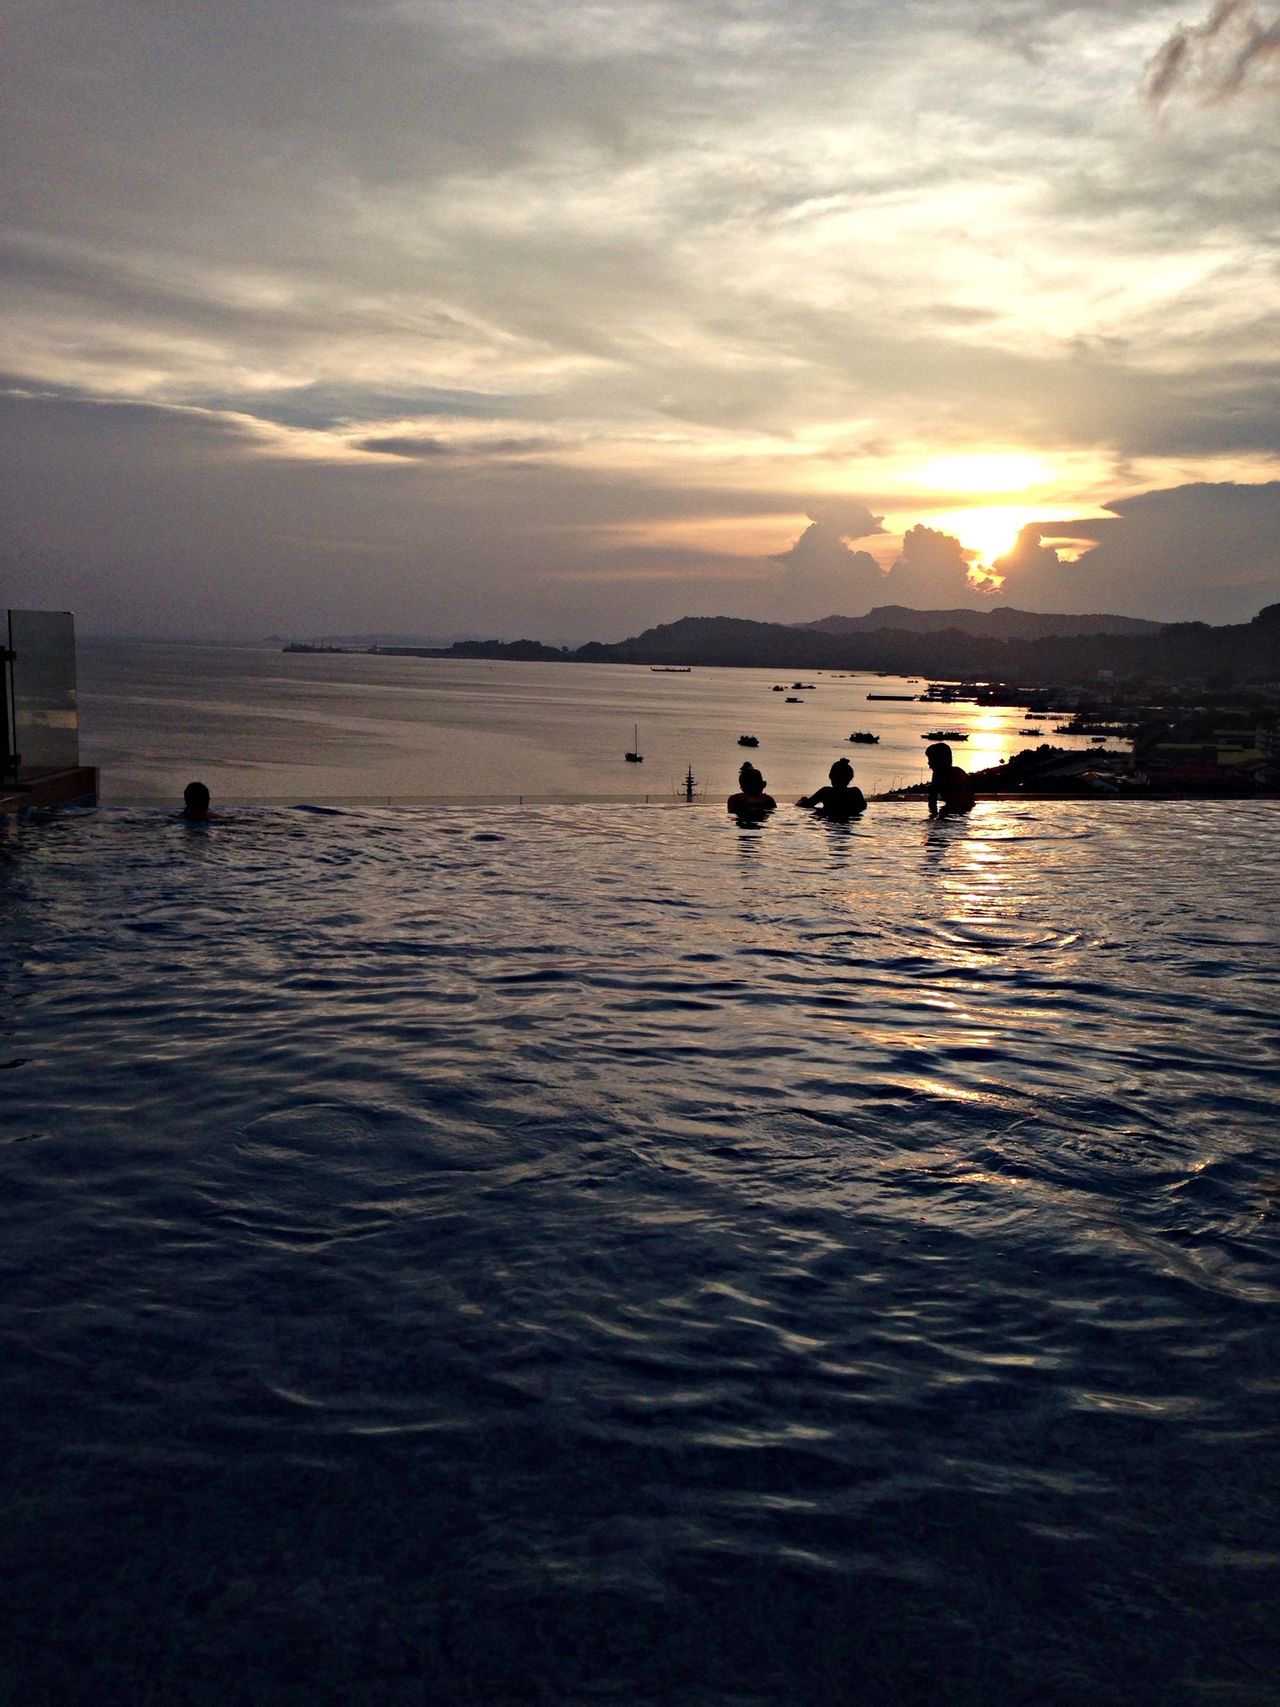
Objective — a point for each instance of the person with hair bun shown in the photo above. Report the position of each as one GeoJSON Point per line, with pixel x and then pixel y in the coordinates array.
{"type": "Point", "coordinates": [751, 801]}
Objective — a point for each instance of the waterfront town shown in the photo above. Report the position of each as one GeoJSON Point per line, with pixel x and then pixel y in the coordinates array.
{"type": "Point", "coordinates": [1178, 741]}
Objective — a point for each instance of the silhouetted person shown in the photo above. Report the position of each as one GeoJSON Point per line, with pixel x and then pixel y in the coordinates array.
{"type": "Point", "coordinates": [839, 799]}
{"type": "Point", "coordinates": [750, 801]}
{"type": "Point", "coordinates": [950, 788]}
{"type": "Point", "coordinates": [195, 804]}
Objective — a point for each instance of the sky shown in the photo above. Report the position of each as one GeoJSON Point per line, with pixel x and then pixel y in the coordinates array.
{"type": "Point", "coordinates": [561, 318]}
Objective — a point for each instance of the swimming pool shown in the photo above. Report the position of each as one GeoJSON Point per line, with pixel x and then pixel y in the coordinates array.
{"type": "Point", "coordinates": [475, 1256]}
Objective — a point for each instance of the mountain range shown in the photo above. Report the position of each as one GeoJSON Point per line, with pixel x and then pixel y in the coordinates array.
{"type": "Point", "coordinates": [1240, 652]}
{"type": "Point", "coordinates": [1001, 622]}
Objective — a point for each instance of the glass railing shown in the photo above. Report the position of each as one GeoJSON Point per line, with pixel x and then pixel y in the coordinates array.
{"type": "Point", "coordinates": [39, 722]}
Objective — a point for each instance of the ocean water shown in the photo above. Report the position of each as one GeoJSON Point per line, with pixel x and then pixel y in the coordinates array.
{"type": "Point", "coordinates": [266, 726]}
{"type": "Point", "coordinates": [576, 1256]}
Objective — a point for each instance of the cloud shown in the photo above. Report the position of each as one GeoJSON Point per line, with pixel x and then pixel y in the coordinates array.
{"type": "Point", "coordinates": [824, 577]}
{"type": "Point", "coordinates": [710, 257]}
{"type": "Point", "coordinates": [1215, 60]}
{"type": "Point", "coordinates": [932, 573]}
{"type": "Point", "coordinates": [1183, 553]}
{"type": "Point", "coordinates": [847, 517]}
{"type": "Point", "coordinates": [425, 448]}
{"type": "Point", "coordinates": [162, 520]}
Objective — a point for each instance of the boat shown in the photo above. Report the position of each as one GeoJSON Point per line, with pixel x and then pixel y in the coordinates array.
{"type": "Point", "coordinates": [808, 685]}
{"type": "Point", "coordinates": [910, 696]}
{"type": "Point", "coordinates": [793, 699]}
{"type": "Point", "coordinates": [865, 738]}
{"type": "Point", "coordinates": [635, 756]}
{"type": "Point", "coordinates": [690, 788]}
{"type": "Point", "coordinates": [777, 688]}
{"type": "Point", "coordinates": [669, 669]}
{"type": "Point", "coordinates": [944, 735]}
{"type": "Point", "coordinates": [1032, 732]}
{"type": "Point", "coordinates": [748, 741]}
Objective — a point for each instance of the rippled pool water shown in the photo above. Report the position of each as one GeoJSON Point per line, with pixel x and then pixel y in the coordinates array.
{"type": "Point", "coordinates": [479, 1257]}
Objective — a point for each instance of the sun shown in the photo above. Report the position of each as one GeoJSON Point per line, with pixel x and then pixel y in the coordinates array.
{"type": "Point", "coordinates": [987, 530]}
{"type": "Point", "coordinates": [990, 530]}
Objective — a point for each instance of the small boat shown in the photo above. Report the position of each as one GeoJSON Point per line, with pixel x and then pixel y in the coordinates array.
{"type": "Point", "coordinates": [748, 741]}
{"type": "Point", "coordinates": [793, 699]}
{"type": "Point", "coordinates": [865, 738]}
{"type": "Point", "coordinates": [808, 685]}
{"type": "Point", "coordinates": [777, 688]}
{"type": "Point", "coordinates": [635, 756]}
{"type": "Point", "coordinates": [910, 696]}
{"type": "Point", "coordinates": [1032, 732]}
{"type": "Point", "coordinates": [669, 669]}
{"type": "Point", "coordinates": [944, 735]}
{"type": "Point", "coordinates": [690, 788]}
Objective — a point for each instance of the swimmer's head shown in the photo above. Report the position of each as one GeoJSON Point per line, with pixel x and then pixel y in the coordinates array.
{"type": "Point", "coordinates": [750, 780]}
{"type": "Point", "coordinates": [841, 773]}
{"type": "Point", "coordinates": [938, 756]}
{"type": "Point", "coordinates": [195, 797]}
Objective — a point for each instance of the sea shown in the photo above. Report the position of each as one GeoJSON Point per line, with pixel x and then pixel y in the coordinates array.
{"type": "Point", "coordinates": [259, 725]}
{"type": "Point", "coordinates": [590, 1251]}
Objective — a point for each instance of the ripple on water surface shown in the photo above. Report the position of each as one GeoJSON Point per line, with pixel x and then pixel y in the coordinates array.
{"type": "Point", "coordinates": [485, 1257]}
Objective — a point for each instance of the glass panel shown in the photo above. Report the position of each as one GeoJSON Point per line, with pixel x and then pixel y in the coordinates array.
{"type": "Point", "coordinates": [47, 735]}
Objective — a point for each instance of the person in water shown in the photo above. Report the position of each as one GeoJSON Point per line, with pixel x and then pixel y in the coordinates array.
{"type": "Point", "coordinates": [839, 799]}
{"type": "Point", "coordinates": [751, 800]}
{"type": "Point", "coordinates": [950, 788]}
{"type": "Point", "coordinates": [195, 804]}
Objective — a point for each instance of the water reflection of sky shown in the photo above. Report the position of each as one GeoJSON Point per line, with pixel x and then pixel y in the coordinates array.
{"type": "Point", "coordinates": [566, 1234]}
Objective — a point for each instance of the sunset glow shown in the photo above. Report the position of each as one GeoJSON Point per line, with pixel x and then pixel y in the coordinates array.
{"type": "Point", "coordinates": [573, 319]}
{"type": "Point", "coordinates": [984, 471]}
{"type": "Point", "coordinates": [990, 530]}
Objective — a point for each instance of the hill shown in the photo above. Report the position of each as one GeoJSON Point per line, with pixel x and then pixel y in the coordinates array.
{"type": "Point", "coordinates": [998, 622]}
{"type": "Point", "coordinates": [1177, 652]}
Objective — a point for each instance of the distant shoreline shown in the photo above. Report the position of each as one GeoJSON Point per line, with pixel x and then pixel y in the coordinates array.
{"type": "Point", "coordinates": [939, 644]}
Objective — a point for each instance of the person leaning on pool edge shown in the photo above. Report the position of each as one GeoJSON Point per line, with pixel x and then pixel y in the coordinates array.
{"type": "Point", "coordinates": [949, 786]}
{"type": "Point", "coordinates": [839, 798]}
{"type": "Point", "coordinates": [751, 801]}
